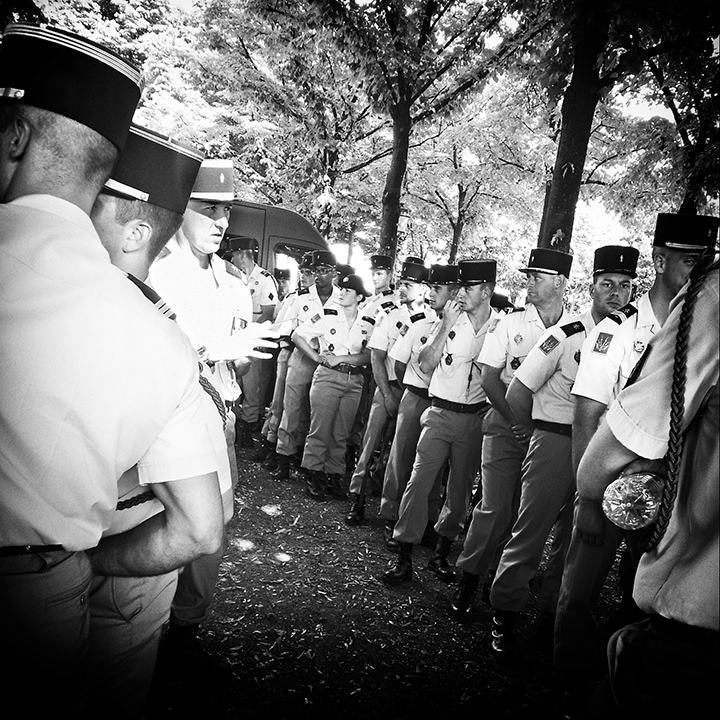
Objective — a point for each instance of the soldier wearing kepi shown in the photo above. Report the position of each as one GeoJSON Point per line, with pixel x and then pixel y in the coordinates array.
{"type": "Point", "coordinates": [386, 398]}
{"type": "Point", "coordinates": [342, 334]}
{"type": "Point", "coordinates": [381, 268]}
{"type": "Point", "coordinates": [505, 439]}
{"type": "Point", "coordinates": [539, 396]}
{"type": "Point", "coordinates": [95, 380]}
{"type": "Point", "coordinates": [295, 419]}
{"type": "Point", "coordinates": [137, 212]}
{"type": "Point", "coordinates": [452, 425]}
{"type": "Point", "coordinates": [442, 287]}
{"type": "Point", "coordinates": [242, 253]}
{"type": "Point", "coordinates": [609, 355]}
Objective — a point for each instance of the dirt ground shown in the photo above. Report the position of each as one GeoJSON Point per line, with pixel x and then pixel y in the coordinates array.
{"type": "Point", "coordinates": [308, 630]}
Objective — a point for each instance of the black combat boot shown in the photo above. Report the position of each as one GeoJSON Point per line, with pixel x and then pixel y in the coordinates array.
{"type": "Point", "coordinates": [461, 604]}
{"type": "Point", "coordinates": [263, 452]}
{"type": "Point", "coordinates": [488, 586]}
{"type": "Point", "coordinates": [315, 485]}
{"type": "Point", "coordinates": [244, 438]}
{"type": "Point", "coordinates": [283, 468]}
{"type": "Point", "coordinates": [503, 632]}
{"type": "Point", "coordinates": [402, 570]}
{"type": "Point", "coordinates": [334, 487]}
{"type": "Point", "coordinates": [271, 462]}
{"type": "Point", "coordinates": [357, 510]}
{"type": "Point", "coordinates": [390, 543]}
{"type": "Point", "coordinates": [439, 564]}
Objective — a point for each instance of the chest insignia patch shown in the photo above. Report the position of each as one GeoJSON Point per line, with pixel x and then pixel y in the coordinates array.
{"type": "Point", "coordinates": [549, 344]}
{"type": "Point", "coordinates": [577, 357]}
{"type": "Point", "coordinates": [515, 363]}
{"type": "Point", "coordinates": [423, 340]}
{"type": "Point", "coordinates": [518, 339]}
{"type": "Point", "coordinates": [331, 347]}
{"type": "Point", "coordinates": [639, 347]}
{"type": "Point", "coordinates": [451, 334]}
{"type": "Point", "coordinates": [449, 360]}
{"type": "Point", "coordinates": [398, 324]}
{"type": "Point", "coordinates": [333, 331]}
{"type": "Point", "coordinates": [602, 343]}
{"type": "Point", "coordinates": [305, 308]}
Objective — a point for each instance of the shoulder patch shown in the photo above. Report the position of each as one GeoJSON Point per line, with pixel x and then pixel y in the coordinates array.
{"type": "Point", "coordinates": [368, 319]}
{"type": "Point", "coordinates": [315, 318]}
{"type": "Point", "coordinates": [404, 329]}
{"type": "Point", "coordinates": [572, 328]}
{"type": "Point", "coordinates": [623, 314]}
{"type": "Point", "coordinates": [304, 291]}
{"type": "Point", "coordinates": [330, 311]}
{"type": "Point", "coordinates": [549, 344]}
{"type": "Point", "coordinates": [417, 316]}
{"type": "Point", "coordinates": [602, 343]}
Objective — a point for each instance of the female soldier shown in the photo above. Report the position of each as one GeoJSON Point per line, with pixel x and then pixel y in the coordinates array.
{"type": "Point", "coordinates": [336, 385]}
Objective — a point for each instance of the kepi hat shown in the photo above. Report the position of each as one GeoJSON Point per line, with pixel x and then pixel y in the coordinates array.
{"type": "Point", "coordinates": [621, 259]}
{"type": "Point", "coordinates": [549, 261]}
{"type": "Point", "coordinates": [214, 181]}
{"type": "Point", "coordinates": [413, 271]}
{"type": "Point", "coordinates": [690, 233]}
{"type": "Point", "coordinates": [474, 272]}
{"type": "Point", "coordinates": [381, 262]}
{"type": "Point", "coordinates": [64, 73]}
{"type": "Point", "coordinates": [443, 275]}
{"type": "Point", "coordinates": [323, 257]}
{"type": "Point", "coordinates": [155, 169]}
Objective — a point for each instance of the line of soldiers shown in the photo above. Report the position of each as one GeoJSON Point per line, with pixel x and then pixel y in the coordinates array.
{"type": "Point", "coordinates": [463, 389]}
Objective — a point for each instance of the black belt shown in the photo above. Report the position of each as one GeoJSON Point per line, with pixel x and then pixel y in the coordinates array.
{"type": "Point", "coordinates": [459, 407]}
{"type": "Point", "coordinates": [420, 392]}
{"type": "Point", "coordinates": [347, 368]}
{"type": "Point", "coordinates": [11, 551]}
{"type": "Point", "coordinates": [394, 383]}
{"type": "Point", "coordinates": [558, 428]}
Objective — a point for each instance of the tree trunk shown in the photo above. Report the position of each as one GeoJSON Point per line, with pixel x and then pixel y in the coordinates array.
{"type": "Point", "coordinates": [590, 36]}
{"type": "Point", "coordinates": [402, 125]}
{"type": "Point", "coordinates": [458, 226]}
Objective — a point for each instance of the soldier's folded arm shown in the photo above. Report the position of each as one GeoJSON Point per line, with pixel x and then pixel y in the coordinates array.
{"type": "Point", "coordinates": [191, 525]}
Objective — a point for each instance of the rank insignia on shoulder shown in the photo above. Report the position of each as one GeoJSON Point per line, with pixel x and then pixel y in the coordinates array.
{"type": "Point", "coordinates": [577, 357]}
{"type": "Point", "coordinates": [304, 291]}
{"type": "Point", "coordinates": [550, 343]}
{"type": "Point", "coordinates": [448, 360]}
{"type": "Point", "coordinates": [417, 316]}
{"type": "Point", "coordinates": [368, 319]}
{"type": "Point", "coordinates": [515, 363]}
{"type": "Point", "coordinates": [602, 343]}
{"type": "Point", "coordinates": [518, 309]}
{"type": "Point", "coordinates": [572, 328]}
{"type": "Point", "coordinates": [388, 292]}
{"type": "Point", "coordinates": [330, 311]}
{"type": "Point", "coordinates": [623, 314]}
{"type": "Point", "coordinates": [451, 334]}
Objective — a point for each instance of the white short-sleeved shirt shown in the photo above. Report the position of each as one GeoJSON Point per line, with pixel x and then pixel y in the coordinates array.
{"type": "Point", "coordinates": [210, 304]}
{"type": "Point", "coordinates": [412, 339]}
{"type": "Point", "coordinates": [679, 578]}
{"type": "Point", "coordinates": [303, 305]}
{"type": "Point", "coordinates": [510, 338]}
{"type": "Point", "coordinates": [94, 381]}
{"type": "Point", "coordinates": [263, 289]}
{"type": "Point", "coordinates": [457, 376]}
{"type": "Point", "coordinates": [383, 301]}
{"type": "Point", "coordinates": [387, 329]}
{"type": "Point", "coordinates": [333, 333]}
{"type": "Point", "coordinates": [612, 350]}
{"type": "Point", "coordinates": [550, 367]}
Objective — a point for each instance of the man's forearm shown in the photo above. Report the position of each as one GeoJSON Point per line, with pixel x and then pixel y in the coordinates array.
{"type": "Point", "coordinates": [585, 423]}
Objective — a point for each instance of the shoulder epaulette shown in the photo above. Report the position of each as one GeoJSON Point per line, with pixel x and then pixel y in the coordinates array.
{"type": "Point", "coordinates": [572, 328]}
{"type": "Point", "coordinates": [417, 316]}
{"type": "Point", "coordinates": [304, 291]}
{"type": "Point", "coordinates": [387, 292]}
{"type": "Point", "coordinates": [368, 319]}
{"type": "Point", "coordinates": [267, 274]}
{"type": "Point", "coordinates": [623, 314]}
{"type": "Point", "coordinates": [518, 309]}
{"type": "Point", "coordinates": [388, 304]}
{"type": "Point", "coordinates": [330, 311]}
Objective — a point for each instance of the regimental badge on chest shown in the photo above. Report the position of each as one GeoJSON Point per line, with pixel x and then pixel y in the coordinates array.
{"type": "Point", "coordinates": [518, 339]}
{"type": "Point", "coordinates": [515, 363]}
{"type": "Point", "coordinates": [331, 347]}
{"type": "Point", "coordinates": [451, 334]}
{"type": "Point", "coordinates": [423, 340]}
{"type": "Point", "coordinates": [577, 356]}
{"type": "Point", "coordinates": [448, 359]}
{"type": "Point", "coordinates": [305, 308]}
{"type": "Point", "coordinates": [333, 331]}
{"type": "Point", "coordinates": [639, 347]}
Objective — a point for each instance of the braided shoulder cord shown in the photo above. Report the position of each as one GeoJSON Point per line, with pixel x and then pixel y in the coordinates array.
{"type": "Point", "coordinates": [677, 408]}
{"type": "Point", "coordinates": [213, 393]}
